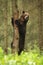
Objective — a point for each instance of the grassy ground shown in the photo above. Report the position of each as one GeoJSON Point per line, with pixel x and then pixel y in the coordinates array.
{"type": "Point", "coordinates": [26, 58]}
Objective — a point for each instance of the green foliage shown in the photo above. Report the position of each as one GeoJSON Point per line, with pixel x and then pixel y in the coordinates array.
{"type": "Point", "coordinates": [26, 58]}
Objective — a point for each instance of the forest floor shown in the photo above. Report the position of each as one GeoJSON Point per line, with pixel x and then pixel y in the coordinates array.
{"type": "Point", "coordinates": [26, 58]}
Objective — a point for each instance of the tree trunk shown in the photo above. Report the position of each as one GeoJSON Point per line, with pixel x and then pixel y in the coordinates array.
{"type": "Point", "coordinates": [15, 29]}
{"type": "Point", "coordinates": [6, 28]}
{"type": "Point", "coordinates": [40, 27]}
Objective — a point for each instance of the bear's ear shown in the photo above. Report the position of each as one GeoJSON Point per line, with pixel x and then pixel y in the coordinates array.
{"type": "Point", "coordinates": [23, 12]}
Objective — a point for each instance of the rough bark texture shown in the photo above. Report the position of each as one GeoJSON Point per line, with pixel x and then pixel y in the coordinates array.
{"type": "Point", "coordinates": [15, 29]}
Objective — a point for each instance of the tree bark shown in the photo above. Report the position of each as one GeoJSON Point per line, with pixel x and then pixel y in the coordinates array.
{"type": "Point", "coordinates": [15, 29]}
{"type": "Point", "coordinates": [40, 27]}
{"type": "Point", "coordinates": [6, 27]}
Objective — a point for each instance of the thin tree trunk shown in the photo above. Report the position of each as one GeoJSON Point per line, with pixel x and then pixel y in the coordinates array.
{"type": "Point", "coordinates": [40, 27]}
{"type": "Point", "coordinates": [5, 32]}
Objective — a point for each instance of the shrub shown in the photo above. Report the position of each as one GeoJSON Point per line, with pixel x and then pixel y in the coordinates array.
{"type": "Point", "coordinates": [26, 58]}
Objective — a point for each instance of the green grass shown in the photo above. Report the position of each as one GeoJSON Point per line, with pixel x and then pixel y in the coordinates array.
{"type": "Point", "coordinates": [26, 58]}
